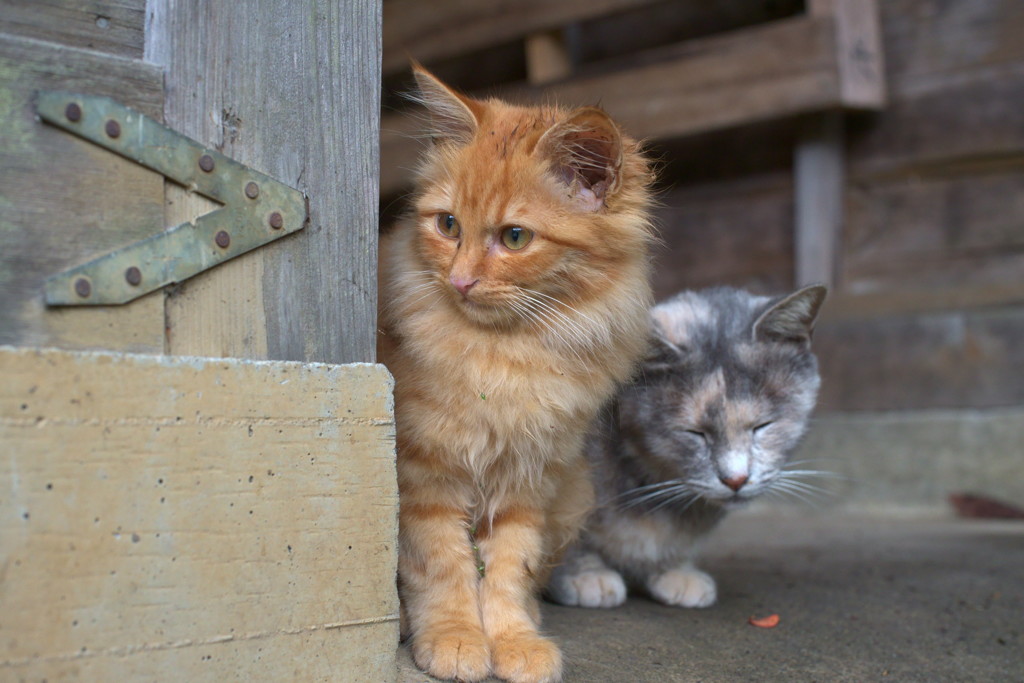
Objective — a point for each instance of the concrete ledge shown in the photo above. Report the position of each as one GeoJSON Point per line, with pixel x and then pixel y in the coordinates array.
{"type": "Point", "coordinates": [915, 459]}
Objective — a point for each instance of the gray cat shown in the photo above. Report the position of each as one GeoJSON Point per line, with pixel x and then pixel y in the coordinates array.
{"type": "Point", "coordinates": [710, 420]}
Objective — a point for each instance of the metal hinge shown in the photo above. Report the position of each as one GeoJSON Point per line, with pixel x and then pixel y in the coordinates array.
{"type": "Point", "coordinates": [257, 208]}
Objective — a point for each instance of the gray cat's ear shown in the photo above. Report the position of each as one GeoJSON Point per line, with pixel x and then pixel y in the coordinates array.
{"type": "Point", "coordinates": [791, 319]}
{"type": "Point", "coordinates": [453, 116]}
{"type": "Point", "coordinates": [585, 149]}
{"type": "Point", "coordinates": [661, 354]}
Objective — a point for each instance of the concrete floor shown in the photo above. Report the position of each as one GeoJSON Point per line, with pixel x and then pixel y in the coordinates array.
{"type": "Point", "coordinates": [860, 599]}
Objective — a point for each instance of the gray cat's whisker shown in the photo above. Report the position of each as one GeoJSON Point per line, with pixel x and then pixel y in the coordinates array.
{"type": "Point", "coordinates": [804, 490]}
{"type": "Point", "coordinates": [651, 496]}
{"type": "Point", "coordinates": [660, 484]}
{"type": "Point", "coordinates": [816, 473]}
{"type": "Point", "coordinates": [785, 476]}
{"type": "Point", "coordinates": [681, 496]}
{"type": "Point", "coordinates": [798, 495]}
{"type": "Point", "coordinates": [672, 494]}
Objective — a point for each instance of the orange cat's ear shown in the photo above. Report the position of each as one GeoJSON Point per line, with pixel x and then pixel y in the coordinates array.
{"type": "Point", "coordinates": [453, 115]}
{"type": "Point", "coordinates": [586, 150]}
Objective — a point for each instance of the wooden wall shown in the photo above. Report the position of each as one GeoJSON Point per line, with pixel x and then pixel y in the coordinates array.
{"type": "Point", "coordinates": [927, 312]}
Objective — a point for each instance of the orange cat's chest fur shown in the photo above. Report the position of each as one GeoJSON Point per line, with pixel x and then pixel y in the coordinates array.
{"type": "Point", "coordinates": [491, 403]}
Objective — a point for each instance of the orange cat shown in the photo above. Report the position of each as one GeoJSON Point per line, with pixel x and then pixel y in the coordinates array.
{"type": "Point", "coordinates": [514, 301]}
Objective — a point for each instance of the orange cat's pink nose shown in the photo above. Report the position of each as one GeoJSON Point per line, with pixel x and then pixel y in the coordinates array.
{"type": "Point", "coordinates": [735, 483]}
{"type": "Point", "coordinates": [463, 284]}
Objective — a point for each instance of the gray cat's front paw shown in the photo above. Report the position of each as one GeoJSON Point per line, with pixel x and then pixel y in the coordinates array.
{"type": "Point", "coordinates": [590, 588]}
{"type": "Point", "coordinates": [687, 587]}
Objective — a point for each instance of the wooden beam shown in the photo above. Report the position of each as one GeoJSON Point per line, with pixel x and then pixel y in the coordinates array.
{"type": "Point", "coordinates": [767, 72]}
{"type": "Point", "coordinates": [859, 50]}
{"type": "Point", "coordinates": [112, 26]}
{"type": "Point", "coordinates": [547, 57]}
{"type": "Point", "coordinates": [431, 31]}
{"type": "Point", "coordinates": [290, 89]}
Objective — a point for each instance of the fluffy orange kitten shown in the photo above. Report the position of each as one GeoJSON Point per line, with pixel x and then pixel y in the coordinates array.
{"type": "Point", "coordinates": [514, 301]}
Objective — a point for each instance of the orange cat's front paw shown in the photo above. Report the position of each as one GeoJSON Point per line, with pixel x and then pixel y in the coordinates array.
{"type": "Point", "coordinates": [527, 658]}
{"type": "Point", "coordinates": [458, 654]}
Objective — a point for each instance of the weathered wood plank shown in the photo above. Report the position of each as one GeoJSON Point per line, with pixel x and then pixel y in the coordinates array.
{"type": "Point", "coordinates": [938, 233]}
{"type": "Point", "coordinates": [767, 72]}
{"type": "Point", "coordinates": [217, 519]}
{"type": "Point", "coordinates": [972, 115]}
{"type": "Point", "coordinates": [858, 50]}
{"type": "Point", "coordinates": [931, 44]}
{"type": "Point", "coordinates": [429, 31]}
{"type": "Point", "coordinates": [291, 89]}
{"type": "Point", "coordinates": [952, 359]}
{"type": "Point", "coordinates": [112, 26]}
{"type": "Point", "coordinates": [736, 233]}
{"type": "Point", "coordinates": [65, 201]}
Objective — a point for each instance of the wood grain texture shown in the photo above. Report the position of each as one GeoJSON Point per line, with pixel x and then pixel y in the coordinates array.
{"type": "Point", "coordinates": [940, 233]}
{"type": "Point", "coordinates": [218, 519]}
{"type": "Point", "coordinates": [64, 201]}
{"type": "Point", "coordinates": [111, 26]}
{"type": "Point", "coordinates": [429, 31]}
{"type": "Point", "coordinates": [945, 359]}
{"type": "Point", "coordinates": [737, 233]}
{"type": "Point", "coordinates": [291, 89]}
{"type": "Point", "coordinates": [860, 57]}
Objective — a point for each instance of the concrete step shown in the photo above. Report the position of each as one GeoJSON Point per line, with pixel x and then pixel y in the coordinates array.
{"type": "Point", "coordinates": [914, 459]}
{"type": "Point", "coordinates": [861, 598]}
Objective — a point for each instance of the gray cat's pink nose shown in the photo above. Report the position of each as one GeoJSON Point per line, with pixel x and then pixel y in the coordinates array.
{"type": "Point", "coordinates": [463, 284]}
{"type": "Point", "coordinates": [735, 483]}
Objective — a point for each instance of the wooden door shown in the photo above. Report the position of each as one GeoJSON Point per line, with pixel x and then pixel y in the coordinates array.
{"type": "Point", "coordinates": [194, 485]}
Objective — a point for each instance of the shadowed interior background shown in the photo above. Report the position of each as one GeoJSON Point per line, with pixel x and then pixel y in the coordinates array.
{"type": "Point", "coordinates": [922, 391]}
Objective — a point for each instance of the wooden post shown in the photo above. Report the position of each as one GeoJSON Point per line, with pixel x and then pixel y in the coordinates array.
{"type": "Point", "coordinates": [547, 57]}
{"type": "Point", "coordinates": [819, 168]}
{"type": "Point", "coordinates": [291, 89]}
{"type": "Point", "coordinates": [820, 155]}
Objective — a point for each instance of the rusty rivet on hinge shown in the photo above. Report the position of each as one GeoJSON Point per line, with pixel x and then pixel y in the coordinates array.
{"type": "Point", "coordinates": [113, 128]}
{"type": "Point", "coordinates": [73, 112]}
{"type": "Point", "coordinates": [252, 190]}
{"type": "Point", "coordinates": [82, 287]}
{"type": "Point", "coordinates": [223, 239]}
{"type": "Point", "coordinates": [206, 163]}
{"type": "Point", "coordinates": [133, 275]}
{"type": "Point", "coordinates": [276, 220]}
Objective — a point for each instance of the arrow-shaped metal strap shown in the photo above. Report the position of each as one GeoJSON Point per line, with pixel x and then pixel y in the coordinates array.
{"type": "Point", "coordinates": [257, 208]}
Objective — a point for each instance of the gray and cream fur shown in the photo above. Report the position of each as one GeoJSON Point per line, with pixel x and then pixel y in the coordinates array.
{"type": "Point", "coordinates": [707, 424]}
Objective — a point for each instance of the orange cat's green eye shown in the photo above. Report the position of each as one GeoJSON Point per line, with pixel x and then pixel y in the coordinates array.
{"type": "Point", "coordinates": [515, 237]}
{"type": "Point", "coordinates": [447, 225]}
